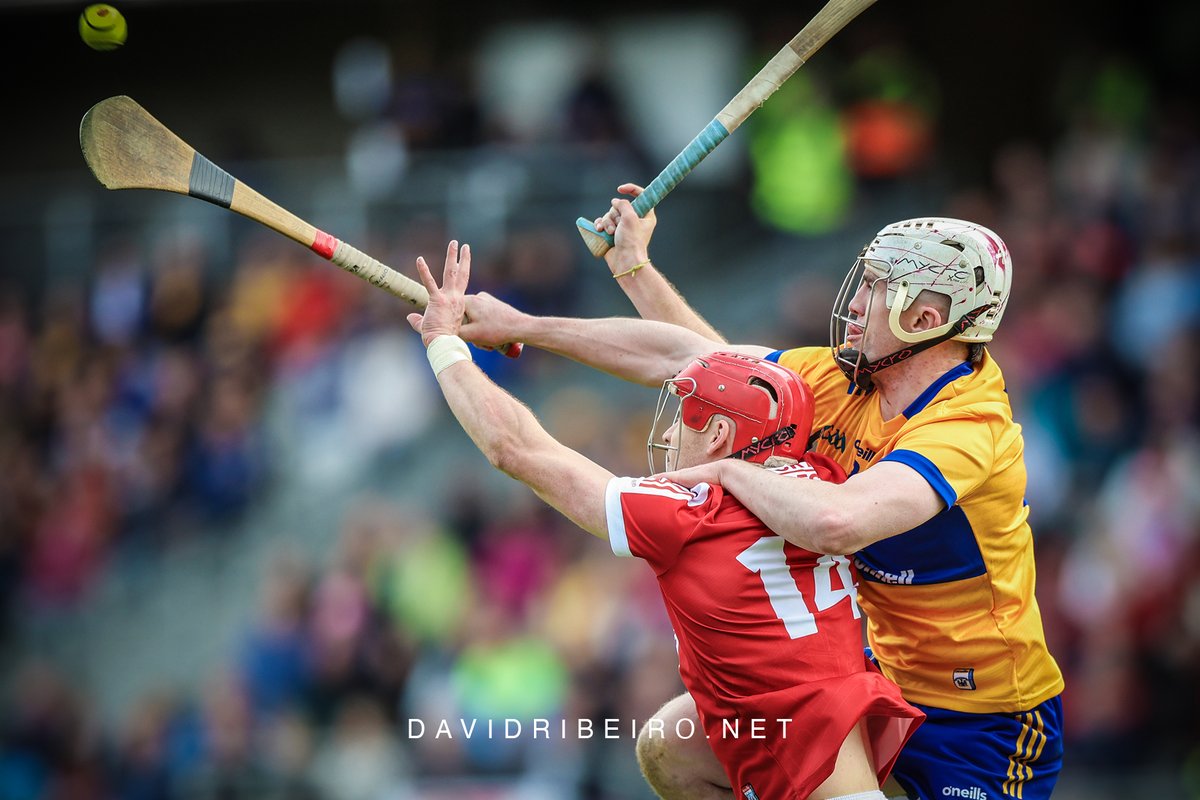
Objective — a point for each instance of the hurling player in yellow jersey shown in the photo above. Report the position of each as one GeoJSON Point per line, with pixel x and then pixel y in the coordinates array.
{"type": "Point", "coordinates": [911, 404]}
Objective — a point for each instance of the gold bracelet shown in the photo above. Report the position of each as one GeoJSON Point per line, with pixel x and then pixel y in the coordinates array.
{"type": "Point", "coordinates": [631, 270]}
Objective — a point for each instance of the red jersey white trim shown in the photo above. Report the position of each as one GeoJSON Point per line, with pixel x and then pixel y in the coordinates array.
{"type": "Point", "coordinates": [766, 632]}
{"type": "Point", "coordinates": [618, 539]}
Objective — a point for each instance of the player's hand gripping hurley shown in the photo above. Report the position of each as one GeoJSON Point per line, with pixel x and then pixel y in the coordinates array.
{"type": "Point", "coordinates": [828, 21]}
{"type": "Point", "coordinates": [127, 148]}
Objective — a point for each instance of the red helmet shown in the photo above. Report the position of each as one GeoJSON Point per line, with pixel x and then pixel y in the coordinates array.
{"type": "Point", "coordinates": [771, 405]}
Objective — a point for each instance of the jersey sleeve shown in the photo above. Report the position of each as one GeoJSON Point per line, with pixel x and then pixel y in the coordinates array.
{"type": "Point", "coordinates": [815, 467]}
{"type": "Point", "coordinates": [801, 360]}
{"type": "Point", "coordinates": [652, 518]}
{"type": "Point", "coordinates": [826, 468]}
{"type": "Point", "coordinates": [954, 455]}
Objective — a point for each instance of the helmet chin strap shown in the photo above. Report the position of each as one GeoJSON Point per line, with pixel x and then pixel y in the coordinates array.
{"type": "Point", "coordinates": [784, 434]}
{"type": "Point", "coordinates": [861, 373]}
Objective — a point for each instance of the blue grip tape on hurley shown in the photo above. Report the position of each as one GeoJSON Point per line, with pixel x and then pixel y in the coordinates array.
{"type": "Point", "coordinates": [705, 142]}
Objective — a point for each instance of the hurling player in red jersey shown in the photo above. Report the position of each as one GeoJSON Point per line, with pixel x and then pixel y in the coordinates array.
{"type": "Point", "coordinates": [770, 637]}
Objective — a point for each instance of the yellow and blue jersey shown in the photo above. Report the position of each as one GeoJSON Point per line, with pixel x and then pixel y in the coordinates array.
{"type": "Point", "coordinates": [952, 614]}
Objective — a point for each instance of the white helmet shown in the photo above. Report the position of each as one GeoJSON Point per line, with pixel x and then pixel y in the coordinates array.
{"type": "Point", "coordinates": [966, 262]}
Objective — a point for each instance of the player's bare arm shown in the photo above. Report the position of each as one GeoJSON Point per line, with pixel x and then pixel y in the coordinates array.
{"type": "Point", "coordinates": [839, 519]}
{"type": "Point", "coordinates": [654, 297]}
{"type": "Point", "coordinates": [637, 350]}
{"type": "Point", "coordinates": [503, 428]}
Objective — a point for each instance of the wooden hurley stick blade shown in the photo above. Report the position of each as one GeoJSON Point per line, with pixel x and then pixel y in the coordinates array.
{"type": "Point", "coordinates": [126, 148]}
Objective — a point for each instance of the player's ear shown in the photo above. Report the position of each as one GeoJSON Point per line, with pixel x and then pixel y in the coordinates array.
{"type": "Point", "coordinates": [931, 310]}
{"type": "Point", "coordinates": [928, 319]}
{"type": "Point", "coordinates": [720, 437]}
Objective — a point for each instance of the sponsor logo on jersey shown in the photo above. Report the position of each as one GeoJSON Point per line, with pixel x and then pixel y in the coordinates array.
{"type": "Point", "coordinates": [973, 793]}
{"type": "Point", "coordinates": [834, 437]}
{"type": "Point", "coordinates": [865, 453]}
{"type": "Point", "coordinates": [749, 793]}
{"type": "Point", "coordinates": [964, 678]}
{"type": "Point", "coordinates": [904, 577]}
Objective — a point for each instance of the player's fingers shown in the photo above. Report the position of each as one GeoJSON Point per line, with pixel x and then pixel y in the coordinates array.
{"type": "Point", "coordinates": [415, 320]}
{"type": "Point", "coordinates": [606, 218]}
{"type": "Point", "coordinates": [631, 189]}
{"type": "Point", "coordinates": [464, 268]}
{"type": "Point", "coordinates": [624, 208]}
{"type": "Point", "coordinates": [426, 277]}
{"type": "Point", "coordinates": [451, 268]}
{"type": "Point", "coordinates": [607, 223]}
{"type": "Point", "coordinates": [691, 476]}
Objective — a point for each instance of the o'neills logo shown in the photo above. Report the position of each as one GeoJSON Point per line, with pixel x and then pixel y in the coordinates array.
{"type": "Point", "coordinates": [974, 793]}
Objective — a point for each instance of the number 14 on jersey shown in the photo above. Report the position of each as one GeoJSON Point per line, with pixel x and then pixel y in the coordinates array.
{"type": "Point", "coordinates": [766, 558]}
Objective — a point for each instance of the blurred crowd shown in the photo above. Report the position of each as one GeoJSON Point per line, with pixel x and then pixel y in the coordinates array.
{"type": "Point", "coordinates": [137, 409]}
{"type": "Point", "coordinates": [356, 679]}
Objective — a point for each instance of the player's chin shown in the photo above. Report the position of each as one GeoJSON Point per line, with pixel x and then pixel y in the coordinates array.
{"type": "Point", "coordinates": [857, 343]}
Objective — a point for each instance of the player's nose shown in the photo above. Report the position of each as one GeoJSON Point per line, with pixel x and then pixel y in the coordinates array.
{"type": "Point", "coordinates": [858, 303]}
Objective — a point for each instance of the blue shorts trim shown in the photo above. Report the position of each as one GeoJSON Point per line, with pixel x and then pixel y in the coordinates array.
{"type": "Point", "coordinates": [983, 756]}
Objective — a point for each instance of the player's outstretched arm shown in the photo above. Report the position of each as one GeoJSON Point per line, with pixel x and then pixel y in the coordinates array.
{"type": "Point", "coordinates": [503, 428]}
{"type": "Point", "coordinates": [636, 350]}
{"type": "Point", "coordinates": [884, 500]}
{"type": "Point", "coordinates": [654, 297]}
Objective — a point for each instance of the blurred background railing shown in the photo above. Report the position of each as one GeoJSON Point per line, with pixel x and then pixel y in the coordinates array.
{"type": "Point", "coordinates": [242, 543]}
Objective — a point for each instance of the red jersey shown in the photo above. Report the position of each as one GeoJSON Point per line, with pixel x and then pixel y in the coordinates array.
{"type": "Point", "coordinates": [770, 635]}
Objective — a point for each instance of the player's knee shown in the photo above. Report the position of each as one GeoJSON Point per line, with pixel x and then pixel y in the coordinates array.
{"type": "Point", "coordinates": [653, 752]}
{"type": "Point", "coordinates": [674, 767]}
{"type": "Point", "coordinates": [658, 746]}
{"type": "Point", "coordinates": [670, 751]}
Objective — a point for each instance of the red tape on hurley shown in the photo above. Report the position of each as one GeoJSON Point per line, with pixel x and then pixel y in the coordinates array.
{"type": "Point", "coordinates": [324, 245]}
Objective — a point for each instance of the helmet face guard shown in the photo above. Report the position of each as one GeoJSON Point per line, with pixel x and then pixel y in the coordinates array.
{"type": "Point", "coordinates": [842, 322]}
{"type": "Point", "coordinates": [671, 396]}
{"type": "Point", "coordinates": [770, 405]}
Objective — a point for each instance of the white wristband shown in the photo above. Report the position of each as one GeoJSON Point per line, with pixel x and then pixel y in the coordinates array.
{"type": "Point", "coordinates": [446, 350]}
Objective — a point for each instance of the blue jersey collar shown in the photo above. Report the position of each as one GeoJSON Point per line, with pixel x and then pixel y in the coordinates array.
{"type": "Point", "coordinates": [923, 399]}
